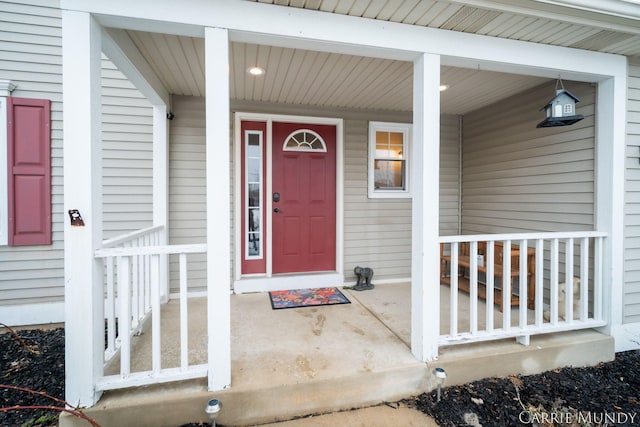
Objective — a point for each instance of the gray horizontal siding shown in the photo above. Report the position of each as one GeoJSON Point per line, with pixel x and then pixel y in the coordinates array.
{"type": "Point", "coordinates": [449, 175]}
{"type": "Point", "coordinates": [377, 232]}
{"type": "Point", "coordinates": [631, 299]}
{"type": "Point", "coordinates": [518, 178]}
{"type": "Point", "coordinates": [30, 48]}
{"type": "Point", "coordinates": [187, 187]}
{"type": "Point", "coordinates": [31, 57]}
{"type": "Point", "coordinates": [127, 155]}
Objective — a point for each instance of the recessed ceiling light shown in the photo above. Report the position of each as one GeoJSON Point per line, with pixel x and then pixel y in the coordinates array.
{"type": "Point", "coordinates": [256, 71]}
{"type": "Point", "coordinates": [444, 87]}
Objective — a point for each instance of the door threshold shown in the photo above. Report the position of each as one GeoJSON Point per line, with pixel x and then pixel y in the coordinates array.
{"type": "Point", "coordinates": [288, 281]}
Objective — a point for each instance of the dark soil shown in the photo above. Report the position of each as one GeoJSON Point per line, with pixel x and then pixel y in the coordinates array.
{"type": "Point", "coordinates": [561, 397]}
{"type": "Point", "coordinates": [34, 360]}
{"type": "Point", "coordinates": [607, 394]}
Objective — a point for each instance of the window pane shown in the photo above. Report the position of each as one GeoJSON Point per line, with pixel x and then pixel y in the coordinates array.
{"type": "Point", "coordinates": [382, 138]}
{"type": "Point", "coordinates": [254, 244]}
{"type": "Point", "coordinates": [389, 145]}
{"type": "Point", "coordinates": [253, 170]}
{"type": "Point", "coordinates": [253, 139]}
{"type": "Point", "coordinates": [254, 195]}
{"type": "Point", "coordinates": [389, 174]}
{"type": "Point", "coordinates": [254, 219]}
{"type": "Point", "coordinates": [396, 138]}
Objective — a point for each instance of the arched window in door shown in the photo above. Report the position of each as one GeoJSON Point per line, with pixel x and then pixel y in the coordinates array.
{"type": "Point", "coordinates": [304, 140]}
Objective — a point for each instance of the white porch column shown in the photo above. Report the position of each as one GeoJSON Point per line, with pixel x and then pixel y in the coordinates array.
{"type": "Point", "coordinates": [161, 189]}
{"type": "Point", "coordinates": [425, 280]}
{"type": "Point", "coordinates": [84, 315]}
{"type": "Point", "coordinates": [218, 207]}
{"type": "Point", "coordinates": [610, 185]}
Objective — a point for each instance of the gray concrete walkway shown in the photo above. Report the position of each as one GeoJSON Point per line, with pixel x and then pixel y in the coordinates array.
{"type": "Point", "coordinates": [377, 416]}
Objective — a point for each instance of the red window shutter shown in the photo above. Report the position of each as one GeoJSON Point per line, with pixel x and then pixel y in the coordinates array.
{"type": "Point", "coordinates": [29, 166]}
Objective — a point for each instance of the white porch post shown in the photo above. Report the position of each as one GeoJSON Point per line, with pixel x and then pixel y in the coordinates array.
{"type": "Point", "coordinates": [425, 281]}
{"type": "Point", "coordinates": [84, 317]}
{"type": "Point", "coordinates": [161, 189]}
{"type": "Point", "coordinates": [610, 180]}
{"type": "Point", "coordinates": [218, 207]}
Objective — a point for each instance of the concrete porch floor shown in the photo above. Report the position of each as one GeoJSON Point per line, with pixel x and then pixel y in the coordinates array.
{"type": "Point", "coordinates": [296, 362]}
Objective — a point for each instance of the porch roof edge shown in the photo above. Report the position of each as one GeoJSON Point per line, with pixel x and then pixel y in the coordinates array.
{"type": "Point", "coordinates": [303, 28]}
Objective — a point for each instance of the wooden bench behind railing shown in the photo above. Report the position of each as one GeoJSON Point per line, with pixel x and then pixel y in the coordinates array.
{"type": "Point", "coordinates": [464, 263]}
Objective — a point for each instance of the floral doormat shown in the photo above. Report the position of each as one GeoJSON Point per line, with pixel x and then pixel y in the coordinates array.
{"type": "Point", "coordinates": [307, 298]}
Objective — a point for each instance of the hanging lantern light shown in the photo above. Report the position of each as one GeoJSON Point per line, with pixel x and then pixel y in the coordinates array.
{"type": "Point", "coordinates": [561, 109]}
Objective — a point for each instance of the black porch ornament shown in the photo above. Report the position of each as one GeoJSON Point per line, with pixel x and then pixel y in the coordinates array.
{"type": "Point", "coordinates": [561, 109]}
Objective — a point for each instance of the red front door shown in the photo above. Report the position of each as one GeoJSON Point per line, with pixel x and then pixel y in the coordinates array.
{"type": "Point", "coordinates": [304, 198]}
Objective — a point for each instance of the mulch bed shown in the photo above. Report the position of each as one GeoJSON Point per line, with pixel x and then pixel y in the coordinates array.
{"type": "Point", "coordinates": [35, 360]}
{"type": "Point", "coordinates": [607, 394]}
{"type": "Point", "coordinates": [561, 397]}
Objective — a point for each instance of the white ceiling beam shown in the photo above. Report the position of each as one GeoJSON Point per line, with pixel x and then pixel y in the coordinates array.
{"type": "Point", "coordinates": [121, 50]}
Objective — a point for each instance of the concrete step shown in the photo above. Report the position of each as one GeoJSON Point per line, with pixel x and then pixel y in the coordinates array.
{"type": "Point", "coordinates": [285, 363]}
{"type": "Point", "coordinates": [470, 362]}
{"type": "Point", "coordinates": [174, 404]}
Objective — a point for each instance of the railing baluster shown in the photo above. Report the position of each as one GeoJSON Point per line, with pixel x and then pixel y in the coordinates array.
{"type": "Point", "coordinates": [134, 292]}
{"type": "Point", "coordinates": [522, 282]}
{"type": "Point", "coordinates": [148, 281]}
{"type": "Point", "coordinates": [584, 279]}
{"type": "Point", "coordinates": [554, 271]}
{"type": "Point", "coordinates": [490, 279]}
{"type": "Point", "coordinates": [142, 276]}
{"type": "Point", "coordinates": [110, 311]}
{"type": "Point", "coordinates": [473, 295]}
{"type": "Point", "coordinates": [124, 322]}
{"type": "Point", "coordinates": [453, 275]}
{"type": "Point", "coordinates": [539, 283]}
{"type": "Point", "coordinates": [155, 315]}
{"type": "Point", "coordinates": [506, 285]}
{"type": "Point", "coordinates": [597, 278]}
{"type": "Point", "coordinates": [184, 315]}
{"type": "Point", "coordinates": [568, 281]}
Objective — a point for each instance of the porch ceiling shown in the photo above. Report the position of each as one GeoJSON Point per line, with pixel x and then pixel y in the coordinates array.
{"type": "Point", "coordinates": [333, 80]}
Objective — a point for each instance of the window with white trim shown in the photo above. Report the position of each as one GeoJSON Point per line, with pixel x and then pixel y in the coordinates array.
{"type": "Point", "coordinates": [389, 158]}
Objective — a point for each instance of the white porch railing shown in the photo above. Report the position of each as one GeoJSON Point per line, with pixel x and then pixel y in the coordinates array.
{"type": "Point", "coordinates": [134, 292]}
{"type": "Point", "coordinates": [556, 287]}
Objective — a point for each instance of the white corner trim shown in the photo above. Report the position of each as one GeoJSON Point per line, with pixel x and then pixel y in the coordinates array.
{"type": "Point", "coordinates": [626, 336]}
{"type": "Point", "coordinates": [32, 314]}
{"type": "Point", "coordinates": [4, 180]}
{"type": "Point", "coordinates": [6, 87]}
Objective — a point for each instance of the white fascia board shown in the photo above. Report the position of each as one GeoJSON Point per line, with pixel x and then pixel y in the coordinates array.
{"type": "Point", "coordinates": [617, 15]}
{"type": "Point", "coordinates": [313, 30]}
{"type": "Point", "coordinates": [620, 8]}
{"type": "Point", "coordinates": [120, 49]}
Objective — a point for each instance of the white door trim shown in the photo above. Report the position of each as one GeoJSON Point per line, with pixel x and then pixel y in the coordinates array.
{"type": "Point", "coordinates": [267, 281]}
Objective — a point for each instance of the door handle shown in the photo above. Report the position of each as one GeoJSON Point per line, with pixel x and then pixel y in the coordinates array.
{"type": "Point", "coordinates": [276, 210]}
